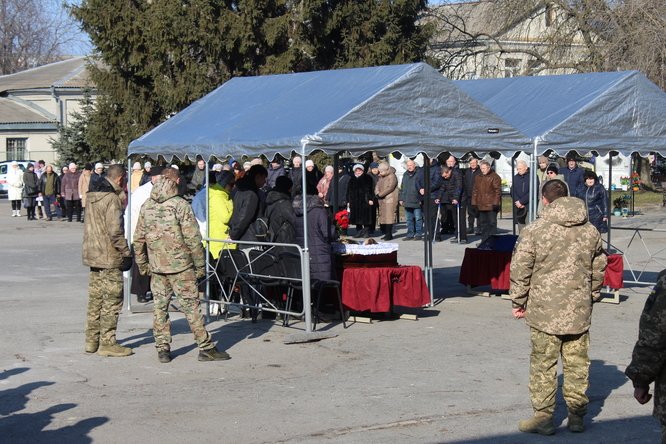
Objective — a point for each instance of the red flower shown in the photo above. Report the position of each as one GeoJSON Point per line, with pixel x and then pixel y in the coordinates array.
{"type": "Point", "coordinates": [342, 219]}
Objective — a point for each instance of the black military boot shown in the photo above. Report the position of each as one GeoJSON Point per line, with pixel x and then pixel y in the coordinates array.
{"type": "Point", "coordinates": [213, 354]}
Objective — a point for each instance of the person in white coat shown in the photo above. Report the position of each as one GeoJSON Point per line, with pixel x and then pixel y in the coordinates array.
{"type": "Point", "coordinates": [15, 192]}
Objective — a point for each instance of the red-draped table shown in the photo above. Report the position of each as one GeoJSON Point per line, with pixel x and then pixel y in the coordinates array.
{"type": "Point", "coordinates": [487, 267]}
{"type": "Point", "coordinates": [378, 289]}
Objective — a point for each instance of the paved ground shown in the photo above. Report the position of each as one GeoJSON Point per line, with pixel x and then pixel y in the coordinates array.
{"type": "Point", "coordinates": [458, 374]}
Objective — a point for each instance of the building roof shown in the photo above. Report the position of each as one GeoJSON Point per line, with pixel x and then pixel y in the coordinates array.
{"type": "Point", "coordinates": [70, 73]}
{"type": "Point", "coordinates": [477, 18]}
{"type": "Point", "coordinates": [13, 113]}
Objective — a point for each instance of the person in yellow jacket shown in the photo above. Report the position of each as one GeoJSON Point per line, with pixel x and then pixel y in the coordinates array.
{"type": "Point", "coordinates": [220, 210]}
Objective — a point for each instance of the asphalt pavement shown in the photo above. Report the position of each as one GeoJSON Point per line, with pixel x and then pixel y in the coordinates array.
{"type": "Point", "coordinates": [458, 374]}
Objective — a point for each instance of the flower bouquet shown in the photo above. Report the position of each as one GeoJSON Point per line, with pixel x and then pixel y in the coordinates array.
{"type": "Point", "coordinates": [342, 222]}
{"type": "Point", "coordinates": [635, 181]}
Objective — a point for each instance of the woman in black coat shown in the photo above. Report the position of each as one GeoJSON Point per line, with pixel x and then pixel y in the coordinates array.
{"type": "Point", "coordinates": [280, 213]}
{"type": "Point", "coordinates": [321, 232]}
{"type": "Point", "coordinates": [360, 195]}
{"type": "Point", "coordinates": [594, 196]}
{"type": "Point", "coordinates": [30, 190]}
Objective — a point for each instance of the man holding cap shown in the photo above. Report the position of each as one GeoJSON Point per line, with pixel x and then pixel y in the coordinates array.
{"type": "Point", "coordinates": [360, 195]}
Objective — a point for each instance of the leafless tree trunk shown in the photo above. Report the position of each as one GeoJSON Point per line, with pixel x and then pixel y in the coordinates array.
{"type": "Point", "coordinates": [32, 33]}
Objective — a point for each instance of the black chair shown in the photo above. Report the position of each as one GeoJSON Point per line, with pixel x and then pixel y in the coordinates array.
{"type": "Point", "coordinates": [291, 262]}
{"type": "Point", "coordinates": [268, 271]}
{"type": "Point", "coordinates": [236, 271]}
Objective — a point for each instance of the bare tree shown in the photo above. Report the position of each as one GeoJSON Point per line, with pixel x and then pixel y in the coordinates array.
{"type": "Point", "coordinates": [554, 36]}
{"type": "Point", "coordinates": [32, 33]}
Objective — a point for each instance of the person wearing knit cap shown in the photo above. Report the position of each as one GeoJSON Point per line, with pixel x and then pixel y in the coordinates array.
{"type": "Point", "coordinates": [84, 186]}
{"type": "Point", "coordinates": [135, 177]}
{"type": "Point", "coordinates": [275, 170]}
{"type": "Point", "coordinates": [312, 177]}
{"type": "Point", "coordinates": [69, 187]}
{"type": "Point", "coordinates": [247, 166]}
{"type": "Point", "coordinates": [296, 176]}
{"type": "Point", "coordinates": [96, 177]}
{"type": "Point", "coordinates": [552, 172]}
{"type": "Point", "coordinates": [145, 178]}
{"type": "Point", "coordinates": [360, 195]}
{"type": "Point", "coordinates": [541, 171]}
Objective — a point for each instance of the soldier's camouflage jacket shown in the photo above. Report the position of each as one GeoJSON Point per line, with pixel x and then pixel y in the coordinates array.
{"type": "Point", "coordinates": [104, 244]}
{"type": "Point", "coordinates": [557, 268]}
{"type": "Point", "coordinates": [168, 230]}
{"type": "Point", "coordinates": [649, 356]}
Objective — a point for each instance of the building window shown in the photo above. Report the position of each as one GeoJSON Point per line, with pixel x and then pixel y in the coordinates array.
{"type": "Point", "coordinates": [511, 67]}
{"type": "Point", "coordinates": [16, 149]}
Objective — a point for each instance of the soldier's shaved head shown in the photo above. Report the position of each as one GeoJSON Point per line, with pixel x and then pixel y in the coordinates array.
{"type": "Point", "coordinates": [554, 189]}
{"type": "Point", "coordinates": [115, 171]}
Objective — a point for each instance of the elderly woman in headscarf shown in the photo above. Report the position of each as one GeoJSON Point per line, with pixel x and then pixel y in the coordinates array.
{"type": "Point", "coordinates": [386, 193]}
{"type": "Point", "coordinates": [325, 183]}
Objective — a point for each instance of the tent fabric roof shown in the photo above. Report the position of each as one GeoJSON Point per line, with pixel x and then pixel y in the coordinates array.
{"type": "Point", "coordinates": [406, 108]}
{"type": "Point", "coordinates": [619, 111]}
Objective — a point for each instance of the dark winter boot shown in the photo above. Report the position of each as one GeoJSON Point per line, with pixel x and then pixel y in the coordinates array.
{"type": "Point", "coordinates": [213, 354]}
{"type": "Point", "coordinates": [575, 423]}
{"type": "Point", "coordinates": [388, 232]}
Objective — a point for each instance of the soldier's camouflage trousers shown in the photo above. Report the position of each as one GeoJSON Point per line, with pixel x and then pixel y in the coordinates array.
{"type": "Point", "coordinates": [184, 286]}
{"type": "Point", "coordinates": [105, 300]}
{"type": "Point", "coordinates": [546, 349]}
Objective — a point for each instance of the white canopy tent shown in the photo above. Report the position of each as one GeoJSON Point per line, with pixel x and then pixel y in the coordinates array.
{"type": "Point", "coordinates": [407, 108]}
{"type": "Point", "coordinates": [597, 113]}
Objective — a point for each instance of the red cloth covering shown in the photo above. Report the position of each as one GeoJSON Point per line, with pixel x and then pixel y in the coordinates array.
{"type": "Point", "coordinates": [486, 267]}
{"type": "Point", "coordinates": [483, 267]}
{"type": "Point", "coordinates": [613, 277]}
{"type": "Point", "coordinates": [378, 289]}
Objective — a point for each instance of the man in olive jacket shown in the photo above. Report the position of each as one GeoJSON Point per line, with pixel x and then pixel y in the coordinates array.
{"type": "Point", "coordinates": [648, 361]}
{"type": "Point", "coordinates": [106, 252]}
{"type": "Point", "coordinates": [557, 271]}
{"type": "Point", "coordinates": [169, 233]}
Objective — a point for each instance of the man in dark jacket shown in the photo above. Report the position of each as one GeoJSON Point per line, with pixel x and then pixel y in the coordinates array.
{"type": "Point", "coordinates": [275, 170]}
{"type": "Point", "coordinates": [343, 185]}
{"type": "Point", "coordinates": [360, 196]}
{"type": "Point", "coordinates": [451, 191]}
{"type": "Point", "coordinates": [431, 196]}
{"type": "Point", "coordinates": [247, 204]}
{"type": "Point", "coordinates": [320, 232]}
{"type": "Point", "coordinates": [280, 213]}
{"type": "Point", "coordinates": [573, 175]}
{"type": "Point", "coordinates": [520, 194]}
{"type": "Point", "coordinates": [296, 176]}
{"type": "Point", "coordinates": [107, 254]}
{"type": "Point", "coordinates": [409, 199]}
{"type": "Point", "coordinates": [468, 181]}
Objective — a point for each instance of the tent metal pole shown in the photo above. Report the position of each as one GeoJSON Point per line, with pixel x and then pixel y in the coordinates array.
{"type": "Point", "coordinates": [336, 178]}
{"type": "Point", "coordinates": [427, 235]}
{"type": "Point", "coordinates": [305, 263]}
{"type": "Point", "coordinates": [610, 197]}
{"type": "Point", "coordinates": [207, 212]}
{"type": "Point", "coordinates": [127, 276]}
{"type": "Point", "coordinates": [534, 204]}
{"type": "Point", "coordinates": [513, 205]}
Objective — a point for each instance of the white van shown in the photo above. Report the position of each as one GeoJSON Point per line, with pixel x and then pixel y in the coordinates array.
{"type": "Point", "coordinates": [5, 166]}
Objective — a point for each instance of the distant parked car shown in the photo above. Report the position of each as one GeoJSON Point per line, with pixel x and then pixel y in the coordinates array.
{"type": "Point", "coordinates": [5, 166]}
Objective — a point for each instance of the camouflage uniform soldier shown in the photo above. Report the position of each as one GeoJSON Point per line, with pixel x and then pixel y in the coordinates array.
{"type": "Point", "coordinates": [170, 233]}
{"type": "Point", "coordinates": [649, 356]}
{"type": "Point", "coordinates": [106, 252]}
{"type": "Point", "coordinates": [557, 271]}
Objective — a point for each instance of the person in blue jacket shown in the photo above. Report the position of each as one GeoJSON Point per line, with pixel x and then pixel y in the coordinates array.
{"type": "Point", "coordinates": [595, 198]}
